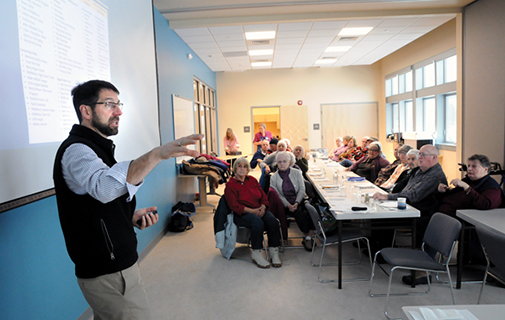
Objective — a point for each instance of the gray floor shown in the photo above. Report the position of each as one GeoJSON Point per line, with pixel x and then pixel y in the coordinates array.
{"type": "Point", "coordinates": [187, 278]}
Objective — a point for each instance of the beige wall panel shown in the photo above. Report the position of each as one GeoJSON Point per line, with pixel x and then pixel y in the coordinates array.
{"type": "Point", "coordinates": [237, 92]}
{"type": "Point", "coordinates": [355, 119]}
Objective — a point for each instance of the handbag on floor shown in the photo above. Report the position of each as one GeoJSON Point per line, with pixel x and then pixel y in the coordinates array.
{"type": "Point", "coordinates": [179, 219]}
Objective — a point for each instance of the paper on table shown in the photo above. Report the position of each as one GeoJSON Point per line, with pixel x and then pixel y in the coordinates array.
{"type": "Point", "coordinates": [441, 314]}
{"type": "Point", "coordinates": [321, 179]}
{"type": "Point", "coordinates": [389, 204]}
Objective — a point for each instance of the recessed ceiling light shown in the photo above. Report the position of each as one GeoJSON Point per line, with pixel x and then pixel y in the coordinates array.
{"type": "Point", "coordinates": [338, 49]}
{"type": "Point", "coordinates": [355, 31]}
{"type": "Point", "coordinates": [261, 64]}
{"type": "Point", "coordinates": [261, 52]}
{"type": "Point", "coordinates": [325, 61]}
{"type": "Point", "coordinates": [260, 35]}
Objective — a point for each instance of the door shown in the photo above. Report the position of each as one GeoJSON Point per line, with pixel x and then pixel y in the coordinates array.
{"type": "Point", "coordinates": [295, 125]}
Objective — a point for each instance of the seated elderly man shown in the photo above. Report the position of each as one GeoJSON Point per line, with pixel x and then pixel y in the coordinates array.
{"type": "Point", "coordinates": [386, 172]}
{"type": "Point", "coordinates": [369, 166]}
{"type": "Point", "coordinates": [401, 153]}
{"type": "Point", "coordinates": [421, 190]}
{"type": "Point", "coordinates": [260, 154]}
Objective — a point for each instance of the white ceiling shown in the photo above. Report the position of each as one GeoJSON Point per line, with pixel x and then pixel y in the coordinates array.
{"type": "Point", "coordinates": [214, 30]}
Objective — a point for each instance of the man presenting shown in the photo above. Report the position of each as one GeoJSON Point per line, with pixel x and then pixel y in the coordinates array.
{"type": "Point", "coordinates": [96, 203]}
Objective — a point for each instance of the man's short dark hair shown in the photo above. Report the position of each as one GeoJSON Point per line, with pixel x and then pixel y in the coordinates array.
{"type": "Point", "coordinates": [88, 93]}
{"type": "Point", "coordinates": [484, 161]}
{"type": "Point", "coordinates": [274, 141]}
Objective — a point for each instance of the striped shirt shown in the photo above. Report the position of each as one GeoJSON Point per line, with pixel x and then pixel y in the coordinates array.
{"type": "Point", "coordinates": [85, 173]}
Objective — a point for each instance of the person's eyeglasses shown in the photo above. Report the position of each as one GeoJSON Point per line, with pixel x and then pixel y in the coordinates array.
{"type": "Point", "coordinates": [111, 105]}
{"type": "Point", "coordinates": [422, 154]}
{"type": "Point", "coordinates": [282, 161]}
{"type": "Point", "coordinates": [374, 150]}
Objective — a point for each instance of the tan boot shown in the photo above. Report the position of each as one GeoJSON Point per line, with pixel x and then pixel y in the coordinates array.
{"type": "Point", "coordinates": [274, 257]}
{"type": "Point", "coordinates": [257, 258]}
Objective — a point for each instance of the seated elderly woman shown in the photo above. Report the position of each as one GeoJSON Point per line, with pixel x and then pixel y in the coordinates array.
{"type": "Point", "coordinates": [351, 146]}
{"type": "Point", "coordinates": [338, 143]}
{"type": "Point", "coordinates": [249, 204]}
{"type": "Point", "coordinates": [289, 185]}
{"type": "Point", "coordinates": [413, 166]}
{"type": "Point", "coordinates": [478, 190]}
{"type": "Point", "coordinates": [300, 159]}
{"type": "Point", "coordinates": [400, 168]}
{"type": "Point", "coordinates": [342, 148]}
{"type": "Point", "coordinates": [269, 162]}
{"type": "Point", "coordinates": [369, 166]}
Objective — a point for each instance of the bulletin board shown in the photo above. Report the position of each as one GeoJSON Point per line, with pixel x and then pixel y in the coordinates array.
{"type": "Point", "coordinates": [184, 120]}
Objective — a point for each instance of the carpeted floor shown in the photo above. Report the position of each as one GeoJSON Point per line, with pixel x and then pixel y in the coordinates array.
{"type": "Point", "coordinates": [187, 278]}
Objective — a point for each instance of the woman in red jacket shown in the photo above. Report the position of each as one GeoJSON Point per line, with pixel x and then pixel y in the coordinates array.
{"type": "Point", "coordinates": [249, 203]}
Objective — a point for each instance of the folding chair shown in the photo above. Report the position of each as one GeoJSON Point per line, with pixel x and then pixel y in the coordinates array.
{"type": "Point", "coordinates": [441, 235]}
{"type": "Point", "coordinates": [347, 236]}
{"type": "Point", "coordinates": [492, 243]}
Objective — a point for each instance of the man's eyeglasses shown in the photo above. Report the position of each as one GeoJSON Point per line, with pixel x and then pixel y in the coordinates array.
{"type": "Point", "coordinates": [111, 105]}
{"type": "Point", "coordinates": [422, 154]}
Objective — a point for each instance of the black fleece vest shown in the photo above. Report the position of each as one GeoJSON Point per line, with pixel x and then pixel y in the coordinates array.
{"type": "Point", "coordinates": [99, 237]}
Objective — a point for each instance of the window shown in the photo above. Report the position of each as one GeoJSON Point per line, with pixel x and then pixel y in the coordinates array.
{"type": "Point", "coordinates": [205, 117]}
{"type": "Point", "coordinates": [450, 108]}
{"type": "Point", "coordinates": [429, 115]}
{"type": "Point", "coordinates": [447, 70]}
{"type": "Point", "coordinates": [423, 98]}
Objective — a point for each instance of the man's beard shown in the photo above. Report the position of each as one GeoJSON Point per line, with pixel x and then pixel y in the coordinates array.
{"type": "Point", "coordinates": [104, 128]}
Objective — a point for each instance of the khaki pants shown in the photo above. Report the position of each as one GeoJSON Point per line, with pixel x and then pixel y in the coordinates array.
{"type": "Point", "coordinates": [117, 296]}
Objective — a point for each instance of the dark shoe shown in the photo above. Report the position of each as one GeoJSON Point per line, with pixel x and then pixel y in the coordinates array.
{"type": "Point", "coordinates": [307, 244]}
{"type": "Point", "coordinates": [408, 280]}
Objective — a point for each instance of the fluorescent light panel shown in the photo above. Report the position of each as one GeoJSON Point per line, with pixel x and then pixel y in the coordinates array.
{"type": "Point", "coordinates": [338, 49]}
{"type": "Point", "coordinates": [264, 52]}
{"type": "Point", "coordinates": [261, 64]}
{"type": "Point", "coordinates": [355, 31]}
{"type": "Point", "coordinates": [260, 35]}
{"type": "Point", "coordinates": [325, 61]}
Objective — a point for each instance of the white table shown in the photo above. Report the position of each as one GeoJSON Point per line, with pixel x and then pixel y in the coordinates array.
{"type": "Point", "coordinates": [480, 311]}
{"type": "Point", "coordinates": [493, 219]}
{"type": "Point", "coordinates": [340, 205]}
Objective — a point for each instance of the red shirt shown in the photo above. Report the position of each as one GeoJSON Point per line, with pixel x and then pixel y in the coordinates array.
{"type": "Point", "coordinates": [240, 194]}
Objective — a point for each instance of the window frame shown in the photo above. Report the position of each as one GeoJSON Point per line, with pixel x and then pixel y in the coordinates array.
{"type": "Point", "coordinates": [441, 89]}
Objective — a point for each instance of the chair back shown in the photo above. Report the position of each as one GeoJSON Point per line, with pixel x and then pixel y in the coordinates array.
{"type": "Point", "coordinates": [316, 218]}
{"type": "Point", "coordinates": [441, 233]}
{"type": "Point", "coordinates": [493, 244]}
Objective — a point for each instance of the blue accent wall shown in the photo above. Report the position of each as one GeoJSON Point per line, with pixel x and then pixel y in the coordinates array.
{"type": "Point", "coordinates": [176, 72]}
{"type": "Point", "coordinates": [38, 280]}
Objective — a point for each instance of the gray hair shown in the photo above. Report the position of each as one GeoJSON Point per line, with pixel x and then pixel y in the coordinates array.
{"type": "Point", "coordinates": [283, 143]}
{"type": "Point", "coordinates": [413, 152]}
{"type": "Point", "coordinates": [289, 156]}
{"type": "Point", "coordinates": [241, 160]}
{"type": "Point", "coordinates": [303, 149]}
{"type": "Point", "coordinates": [376, 143]}
{"type": "Point", "coordinates": [404, 149]}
